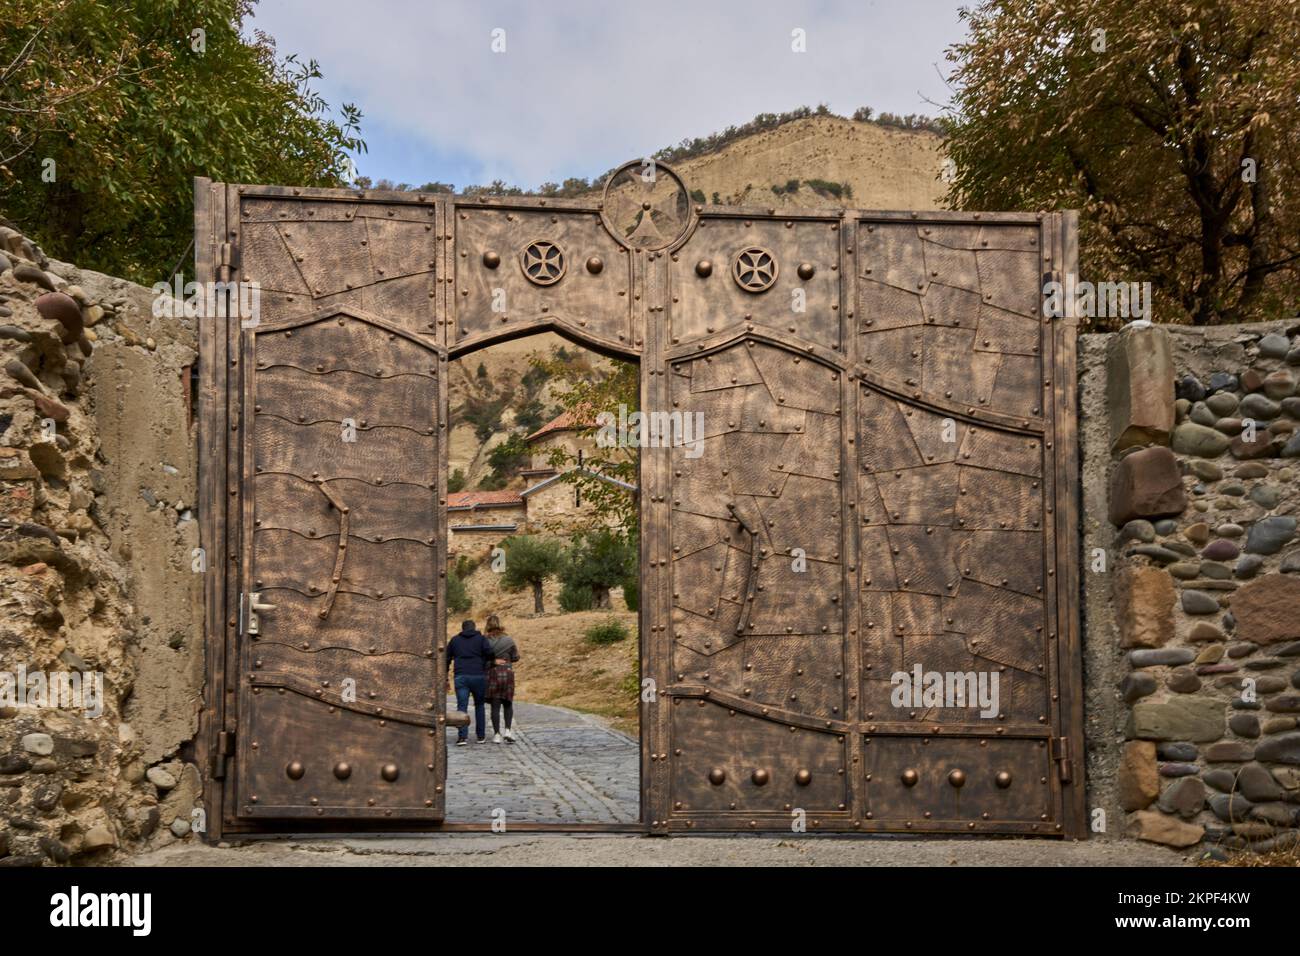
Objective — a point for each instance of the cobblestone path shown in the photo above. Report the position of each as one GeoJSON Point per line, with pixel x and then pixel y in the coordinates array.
{"type": "Point", "coordinates": [564, 767]}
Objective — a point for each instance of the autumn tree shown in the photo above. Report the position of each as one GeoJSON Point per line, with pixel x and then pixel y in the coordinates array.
{"type": "Point", "coordinates": [109, 110]}
{"type": "Point", "coordinates": [1171, 126]}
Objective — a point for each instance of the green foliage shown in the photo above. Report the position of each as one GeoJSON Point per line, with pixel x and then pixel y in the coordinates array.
{"type": "Point", "coordinates": [457, 596]}
{"type": "Point", "coordinates": [484, 413]}
{"type": "Point", "coordinates": [507, 458]}
{"type": "Point", "coordinates": [529, 562]}
{"type": "Point", "coordinates": [482, 372]}
{"type": "Point", "coordinates": [630, 686]}
{"type": "Point", "coordinates": [698, 196]}
{"type": "Point", "coordinates": [531, 416]}
{"type": "Point", "coordinates": [492, 481]}
{"type": "Point", "coordinates": [573, 186]}
{"type": "Point", "coordinates": [116, 95]}
{"type": "Point", "coordinates": [465, 565]}
{"type": "Point", "coordinates": [717, 200]}
{"type": "Point", "coordinates": [632, 592]}
{"type": "Point", "coordinates": [456, 481]}
{"type": "Point", "coordinates": [598, 560]}
{"type": "Point", "coordinates": [610, 631]}
{"type": "Point", "coordinates": [838, 190]}
{"type": "Point", "coordinates": [576, 597]}
{"type": "Point", "coordinates": [912, 121]}
{"type": "Point", "coordinates": [533, 379]}
{"type": "Point", "coordinates": [387, 185]}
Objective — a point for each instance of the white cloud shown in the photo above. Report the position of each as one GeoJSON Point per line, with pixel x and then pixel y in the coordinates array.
{"type": "Point", "coordinates": [584, 85]}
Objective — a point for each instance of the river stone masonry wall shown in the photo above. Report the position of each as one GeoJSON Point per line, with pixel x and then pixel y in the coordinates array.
{"type": "Point", "coordinates": [1204, 577]}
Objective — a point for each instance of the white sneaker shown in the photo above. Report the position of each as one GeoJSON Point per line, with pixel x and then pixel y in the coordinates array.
{"type": "Point", "coordinates": [496, 739]}
{"type": "Point", "coordinates": [510, 735]}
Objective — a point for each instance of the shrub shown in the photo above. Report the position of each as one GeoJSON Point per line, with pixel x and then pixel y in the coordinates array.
{"type": "Point", "coordinates": [630, 686]}
{"type": "Point", "coordinates": [531, 416]}
{"type": "Point", "coordinates": [465, 565]}
{"type": "Point", "coordinates": [507, 458]}
{"type": "Point", "coordinates": [576, 597]}
{"type": "Point", "coordinates": [632, 593]}
{"type": "Point", "coordinates": [457, 597]}
{"type": "Point", "coordinates": [609, 631]}
{"type": "Point", "coordinates": [838, 190]}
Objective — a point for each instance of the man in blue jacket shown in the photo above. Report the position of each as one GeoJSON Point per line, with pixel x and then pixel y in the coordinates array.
{"type": "Point", "coordinates": [472, 654]}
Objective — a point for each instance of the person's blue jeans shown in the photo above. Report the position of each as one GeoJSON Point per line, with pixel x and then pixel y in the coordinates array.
{"type": "Point", "coordinates": [475, 684]}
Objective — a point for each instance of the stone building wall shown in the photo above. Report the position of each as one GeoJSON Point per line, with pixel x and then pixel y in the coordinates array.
{"type": "Point", "coordinates": [570, 441]}
{"type": "Point", "coordinates": [97, 478]}
{"type": "Point", "coordinates": [1192, 578]}
{"type": "Point", "coordinates": [552, 510]}
{"type": "Point", "coordinates": [478, 545]}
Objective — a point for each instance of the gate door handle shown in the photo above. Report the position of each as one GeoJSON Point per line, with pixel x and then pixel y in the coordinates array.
{"type": "Point", "coordinates": [254, 604]}
{"type": "Point", "coordinates": [344, 512]}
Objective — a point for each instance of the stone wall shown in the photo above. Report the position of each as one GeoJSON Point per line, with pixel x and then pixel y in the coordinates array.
{"type": "Point", "coordinates": [1190, 557]}
{"type": "Point", "coordinates": [97, 477]}
{"type": "Point", "coordinates": [1192, 568]}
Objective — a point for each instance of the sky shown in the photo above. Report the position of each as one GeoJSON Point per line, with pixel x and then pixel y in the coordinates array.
{"type": "Point", "coordinates": [466, 92]}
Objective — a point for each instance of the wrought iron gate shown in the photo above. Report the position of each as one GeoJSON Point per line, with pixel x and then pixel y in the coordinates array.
{"type": "Point", "coordinates": [883, 488]}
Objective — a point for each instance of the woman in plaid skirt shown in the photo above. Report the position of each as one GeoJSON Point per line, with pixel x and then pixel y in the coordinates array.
{"type": "Point", "coordinates": [501, 678]}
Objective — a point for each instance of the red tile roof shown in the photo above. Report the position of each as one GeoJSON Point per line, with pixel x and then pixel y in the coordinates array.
{"type": "Point", "coordinates": [563, 422]}
{"type": "Point", "coordinates": [484, 499]}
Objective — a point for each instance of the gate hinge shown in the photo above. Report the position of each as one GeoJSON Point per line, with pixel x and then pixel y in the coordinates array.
{"type": "Point", "coordinates": [1064, 763]}
{"type": "Point", "coordinates": [225, 261]}
{"type": "Point", "coordinates": [225, 748]}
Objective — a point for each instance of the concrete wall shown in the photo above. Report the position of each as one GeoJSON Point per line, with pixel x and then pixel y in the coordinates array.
{"type": "Point", "coordinates": [97, 477]}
